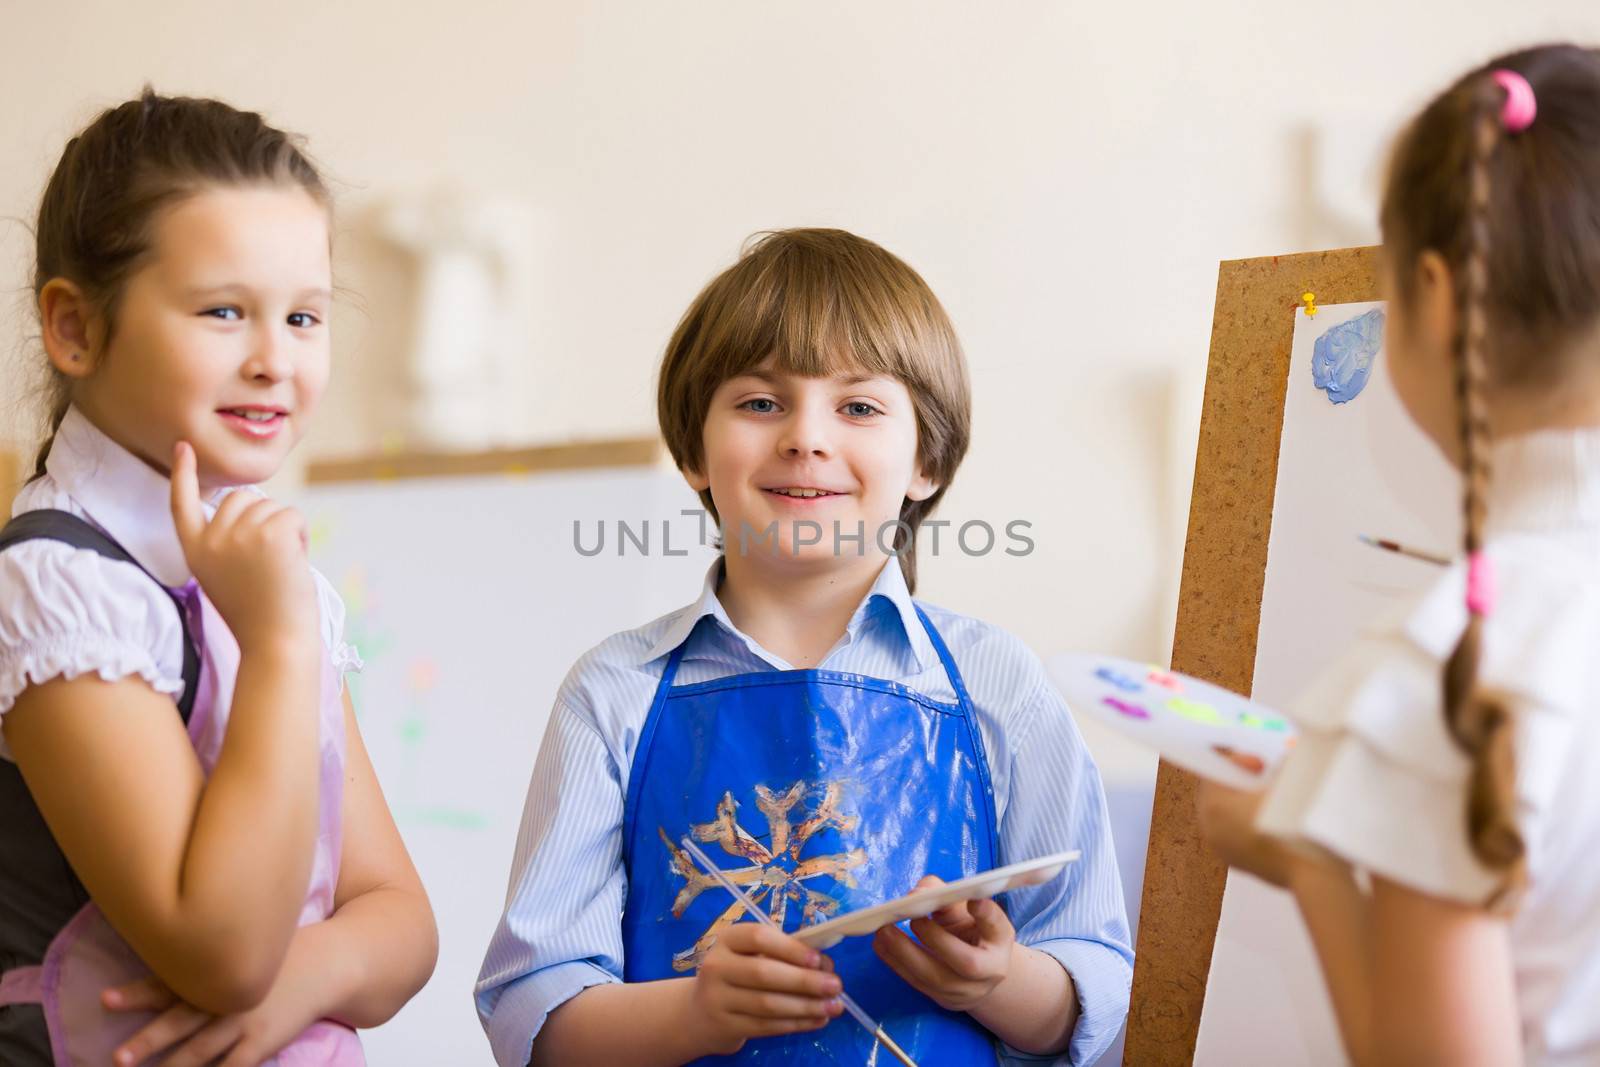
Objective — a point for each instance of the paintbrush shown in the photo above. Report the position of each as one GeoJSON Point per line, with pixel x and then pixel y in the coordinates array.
{"type": "Point", "coordinates": [766, 920]}
{"type": "Point", "coordinates": [1404, 550]}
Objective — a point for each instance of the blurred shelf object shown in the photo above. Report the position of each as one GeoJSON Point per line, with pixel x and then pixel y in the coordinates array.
{"type": "Point", "coordinates": [471, 252]}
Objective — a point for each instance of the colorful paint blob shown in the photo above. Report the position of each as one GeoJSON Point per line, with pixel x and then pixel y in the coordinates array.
{"type": "Point", "coordinates": [1132, 711]}
{"type": "Point", "coordinates": [1194, 709]}
{"type": "Point", "coordinates": [1112, 676]}
{"type": "Point", "coordinates": [1164, 680]}
{"type": "Point", "coordinates": [1202, 727]}
{"type": "Point", "coordinates": [1342, 358]}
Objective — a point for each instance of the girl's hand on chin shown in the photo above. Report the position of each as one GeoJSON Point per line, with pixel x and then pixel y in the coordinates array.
{"type": "Point", "coordinates": [250, 559]}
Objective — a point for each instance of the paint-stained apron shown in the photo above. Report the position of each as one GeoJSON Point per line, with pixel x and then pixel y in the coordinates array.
{"type": "Point", "coordinates": [820, 793]}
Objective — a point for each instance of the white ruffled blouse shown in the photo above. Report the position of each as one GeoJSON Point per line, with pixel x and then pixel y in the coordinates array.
{"type": "Point", "coordinates": [1376, 780]}
{"type": "Point", "coordinates": [66, 612]}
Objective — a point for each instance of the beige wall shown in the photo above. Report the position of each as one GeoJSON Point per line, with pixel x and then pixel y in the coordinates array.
{"type": "Point", "coordinates": [1066, 176]}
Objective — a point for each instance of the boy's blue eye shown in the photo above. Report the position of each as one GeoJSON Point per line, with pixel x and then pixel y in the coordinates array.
{"type": "Point", "coordinates": [860, 409]}
{"type": "Point", "coordinates": [227, 314]}
{"type": "Point", "coordinates": [761, 405]}
{"type": "Point", "coordinates": [302, 319]}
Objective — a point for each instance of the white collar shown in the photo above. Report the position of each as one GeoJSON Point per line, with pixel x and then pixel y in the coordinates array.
{"type": "Point", "coordinates": [889, 588]}
{"type": "Point", "coordinates": [125, 496]}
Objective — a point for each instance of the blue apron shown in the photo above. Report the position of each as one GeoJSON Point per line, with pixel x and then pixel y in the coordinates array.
{"type": "Point", "coordinates": [820, 792]}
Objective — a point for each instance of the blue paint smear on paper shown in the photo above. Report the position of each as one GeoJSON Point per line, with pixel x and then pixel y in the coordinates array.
{"type": "Point", "coordinates": [1342, 358]}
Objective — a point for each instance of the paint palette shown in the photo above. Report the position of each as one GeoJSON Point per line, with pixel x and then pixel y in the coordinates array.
{"type": "Point", "coordinates": [1203, 728]}
{"type": "Point", "coordinates": [914, 905]}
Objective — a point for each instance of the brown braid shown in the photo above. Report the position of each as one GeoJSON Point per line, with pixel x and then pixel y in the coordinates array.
{"type": "Point", "coordinates": [60, 401]}
{"type": "Point", "coordinates": [1479, 724]}
{"type": "Point", "coordinates": [1523, 233]}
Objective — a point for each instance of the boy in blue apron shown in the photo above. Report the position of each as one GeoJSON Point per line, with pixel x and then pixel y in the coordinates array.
{"type": "Point", "coordinates": [830, 741]}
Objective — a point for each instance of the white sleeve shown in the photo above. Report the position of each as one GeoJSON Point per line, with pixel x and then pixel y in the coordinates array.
{"type": "Point", "coordinates": [330, 608]}
{"type": "Point", "coordinates": [66, 612]}
{"type": "Point", "coordinates": [1376, 779]}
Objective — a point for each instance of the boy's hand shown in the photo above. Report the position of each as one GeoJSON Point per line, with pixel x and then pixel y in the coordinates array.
{"type": "Point", "coordinates": [1227, 818]}
{"type": "Point", "coordinates": [757, 982]}
{"type": "Point", "coordinates": [965, 951]}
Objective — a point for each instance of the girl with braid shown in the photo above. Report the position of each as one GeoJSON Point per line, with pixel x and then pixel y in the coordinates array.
{"type": "Point", "coordinates": [1439, 821]}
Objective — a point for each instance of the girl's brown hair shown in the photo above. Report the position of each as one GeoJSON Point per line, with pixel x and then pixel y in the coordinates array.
{"type": "Point", "coordinates": [822, 302]}
{"type": "Point", "coordinates": [97, 214]}
{"type": "Point", "coordinates": [1517, 217]}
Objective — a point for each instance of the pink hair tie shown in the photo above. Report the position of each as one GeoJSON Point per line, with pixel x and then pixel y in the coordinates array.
{"type": "Point", "coordinates": [1481, 590]}
{"type": "Point", "coordinates": [1520, 107]}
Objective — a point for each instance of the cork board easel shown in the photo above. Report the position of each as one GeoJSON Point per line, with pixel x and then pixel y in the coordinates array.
{"type": "Point", "coordinates": [1219, 611]}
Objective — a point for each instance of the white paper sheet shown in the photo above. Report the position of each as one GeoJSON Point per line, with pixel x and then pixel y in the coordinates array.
{"type": "Point", "coordinates": [1355, 467]}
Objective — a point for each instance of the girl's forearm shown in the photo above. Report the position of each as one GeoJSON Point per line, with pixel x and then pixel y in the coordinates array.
{"type": "Point", "coordinates": [247, 860]}
{"type": "Point", "coordinates": [1338, 916]}
{"type": "Point", "coordinates": [632, 1024]}
{"type": "Point", "coordinates": [367, 959]}
{"type": "Point", "coordinates": [1035, 1008]}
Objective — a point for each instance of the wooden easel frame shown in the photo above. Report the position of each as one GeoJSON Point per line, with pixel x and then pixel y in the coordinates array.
{"type": "Point", "coordinates": [1219, 611]}
{"type": "Point", "coordinates": [10, 481]}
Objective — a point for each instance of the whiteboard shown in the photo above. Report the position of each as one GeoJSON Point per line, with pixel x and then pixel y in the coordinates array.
{"type": "Point", "coordinates": [1354, 467]}
{"type": "Point", "coordinates": [468, 601]}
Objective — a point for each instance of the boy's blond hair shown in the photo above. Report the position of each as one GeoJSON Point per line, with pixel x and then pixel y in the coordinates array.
{"type": "Point", "coordinates": [822, 302]}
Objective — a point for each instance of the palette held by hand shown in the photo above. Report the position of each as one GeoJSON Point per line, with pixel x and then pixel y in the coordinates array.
{"type": "Point", "coordinates": [927, 901]}
{"type": "Point", "coordinates": [1203, 728]}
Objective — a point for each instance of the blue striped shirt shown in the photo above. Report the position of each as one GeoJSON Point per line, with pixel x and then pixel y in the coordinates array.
{"type": "Point", "coordinates": [561, 931]}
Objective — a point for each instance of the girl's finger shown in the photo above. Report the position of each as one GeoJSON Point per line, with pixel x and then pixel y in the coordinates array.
{"type": "Point", "coordinates": [257, 510]}
{"type": "Point", "coordinates": [229, 510]}
{"type": "Point", "coordinates": [187, 515]}
{"type": "Point", "coordinates": [162, 1032]}
{"type": "Point", "coordinates": [244, 1054]}
{"type": "Point", "coordinates": [210, 1043]}
{"type": "Point", "coordinates": [146, 994]}
{"type": "Point", "coordinates": [291, 520]}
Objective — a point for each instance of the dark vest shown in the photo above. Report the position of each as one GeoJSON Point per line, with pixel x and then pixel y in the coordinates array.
{"type": "Point", "coordinates": [39, 892]}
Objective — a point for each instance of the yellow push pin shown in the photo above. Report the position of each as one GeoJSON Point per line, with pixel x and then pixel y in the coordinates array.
{"type": "Point", "coordinates": [1310, 299]}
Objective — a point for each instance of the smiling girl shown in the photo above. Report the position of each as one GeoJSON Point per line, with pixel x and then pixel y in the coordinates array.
{"type": "Point", "coordinates": [195, 858]}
